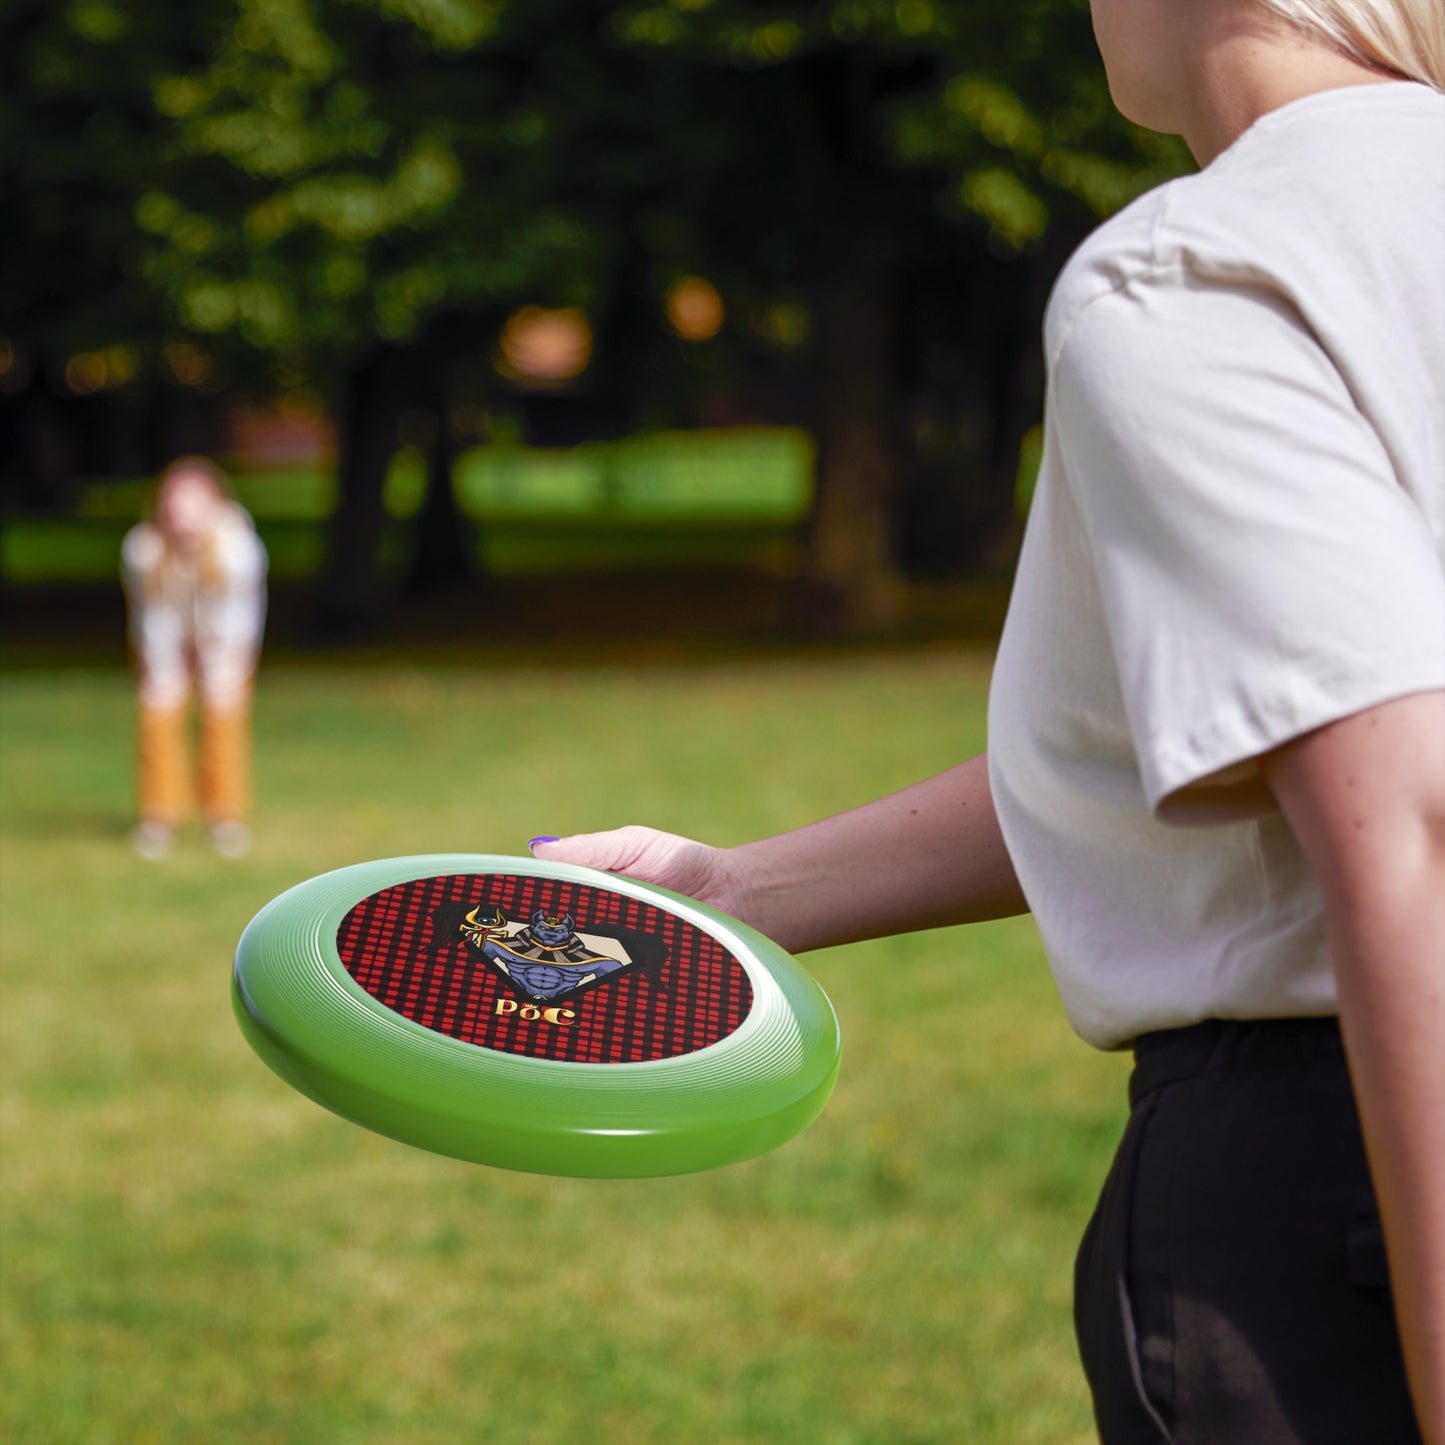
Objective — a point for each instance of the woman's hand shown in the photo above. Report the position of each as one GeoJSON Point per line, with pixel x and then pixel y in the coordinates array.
{"type": "Point", "coordinates": [927, 857]}
{"type": "Point", "coordinates": [710, 875]}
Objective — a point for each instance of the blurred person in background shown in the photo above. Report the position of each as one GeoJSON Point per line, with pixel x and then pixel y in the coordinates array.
{"type": "Point", "coordinates": [1216, 767]}
{"type": "Point", "coordinates": [195, 583]}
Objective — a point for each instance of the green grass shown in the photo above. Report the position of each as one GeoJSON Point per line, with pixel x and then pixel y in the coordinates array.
{"type": "Point", "coordinates": [193, 1253]}
{"type": "Point", "coordinates": [757, 473]}
{"type": "Point", "coordinates": [87, 550]}
{"type": "Point", "coordinates": [733, 497]}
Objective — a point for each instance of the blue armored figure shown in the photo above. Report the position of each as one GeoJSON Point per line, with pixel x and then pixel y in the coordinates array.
{"type": "Point", "coordinates": [545, 959]}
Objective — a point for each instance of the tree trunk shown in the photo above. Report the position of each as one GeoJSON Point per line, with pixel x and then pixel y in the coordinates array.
{"type": "Point", "coordinates": [851, 262]}
{"type": "Point", "coordinates": [46, 451]}
{"type": "Point", "coordinates": [852, 562]}
{"type": "Point", "coordinates": [442, 557]}
{"type": "Point", "coordinates": [349, 601]}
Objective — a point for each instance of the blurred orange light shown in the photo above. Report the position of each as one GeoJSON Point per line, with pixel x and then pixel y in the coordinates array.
{"type": "Point", "coordinates": [695, 311]}
{"type": "Point", "coordinates": [543, 346]}
{"type": "Point", "coordinates": [187, 365]}
{"type": "Point", "coordinates": [86, 373]}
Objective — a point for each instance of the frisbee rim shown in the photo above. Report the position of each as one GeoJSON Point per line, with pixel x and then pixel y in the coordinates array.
{"type": "Point", "coordinates": [327, 1036]}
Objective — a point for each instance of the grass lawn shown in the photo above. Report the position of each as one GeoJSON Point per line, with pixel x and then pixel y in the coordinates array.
{"type": "Point", "coordinates": [193, 1253]}
{"type": "Point", "coordinates": [733, 497]}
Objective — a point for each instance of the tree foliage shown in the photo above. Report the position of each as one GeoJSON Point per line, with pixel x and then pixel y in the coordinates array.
{"type": "Point", "coordinates": [353, 194]}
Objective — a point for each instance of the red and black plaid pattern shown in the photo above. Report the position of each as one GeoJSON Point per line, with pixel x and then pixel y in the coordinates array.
{"type": "Point", "coordinates": [385, 943]}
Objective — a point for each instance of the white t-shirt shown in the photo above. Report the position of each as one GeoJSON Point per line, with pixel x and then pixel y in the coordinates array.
{"type": "Point", "coordinates": [196, 620]}
{"type": "Point", "coordinates": [1238, 536]}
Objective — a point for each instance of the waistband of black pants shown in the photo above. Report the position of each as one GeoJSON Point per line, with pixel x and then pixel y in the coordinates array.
{"type": "Point", "coordinates": [1226, 1046]}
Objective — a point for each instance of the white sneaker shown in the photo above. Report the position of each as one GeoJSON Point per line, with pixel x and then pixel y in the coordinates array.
{"type": "Point", "coordinates": [152, 840]}
{"type": "Point", "coordinates": [231, 839]}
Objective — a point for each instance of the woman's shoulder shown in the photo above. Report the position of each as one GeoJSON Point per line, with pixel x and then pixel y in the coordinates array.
{"type": "Point", "coordinates": [237, 546]}
{"type": "Point", "coordinates": [143, 548]}
{"type": "Point", "coordinates": [236, 520]}
{"type": "Point", "coordinates": [233, 551]}
{"type": "Point", "coordinates": [1336, 191]}
{"type": "Point", "coordinates": [1117, 253]}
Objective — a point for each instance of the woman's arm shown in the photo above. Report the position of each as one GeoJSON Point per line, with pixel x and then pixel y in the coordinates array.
{"type": "Point", "coordinates": [926, 857]}
{"type": "Point", "coordinates": [1366, 799]}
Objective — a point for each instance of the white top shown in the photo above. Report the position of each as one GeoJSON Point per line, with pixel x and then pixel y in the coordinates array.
{"type": "Point", "coordinates": [1238, 536]}
{"type": "Point", "coordinates": [196, 620]}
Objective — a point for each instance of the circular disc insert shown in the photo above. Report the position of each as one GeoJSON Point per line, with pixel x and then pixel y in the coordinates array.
{"type": "Point", "coordinates": [535, 1016]}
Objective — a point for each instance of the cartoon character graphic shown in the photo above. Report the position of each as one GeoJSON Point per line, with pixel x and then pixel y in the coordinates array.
{"type": "Point", "coordinates": [547, 958]}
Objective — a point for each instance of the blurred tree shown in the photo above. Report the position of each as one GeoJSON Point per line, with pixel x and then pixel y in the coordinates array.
{"type": "Point", "coordinates": [363, 190]}
{"type": "Point", "coordinates": [919, 168]}
{"type": "Point", "coordinates": [79, 139]}
{"type": "Point", "coordinates": [368, 188]}
{"type": "Point", "coordinates": [353, 195]}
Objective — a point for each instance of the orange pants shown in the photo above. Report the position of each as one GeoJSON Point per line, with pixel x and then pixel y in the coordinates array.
{"type": "Point", "coordinates": [163, 762]}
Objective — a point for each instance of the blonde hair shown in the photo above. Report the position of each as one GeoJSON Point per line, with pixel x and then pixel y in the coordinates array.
{"type": "Point", "coordinates": [192, 466]}
{"type": "Point", "coordinates": [211, 572]}
{"type": "Point", "coordinates": [1404, 37]}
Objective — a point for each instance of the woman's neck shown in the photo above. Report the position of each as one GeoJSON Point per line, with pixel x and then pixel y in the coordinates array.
{"type": "Point", "coordinates": [1244, 69]}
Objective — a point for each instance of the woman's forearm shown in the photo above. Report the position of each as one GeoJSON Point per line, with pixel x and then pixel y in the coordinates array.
{"type": "Point", "coordinates": [1389, 957]}
{"type": "Point", "coordinates": [1366, 799]}
{"type": "Point", "coordinates": [925, 857]}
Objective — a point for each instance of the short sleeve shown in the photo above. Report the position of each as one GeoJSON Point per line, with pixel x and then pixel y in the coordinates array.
{"type": "Point", "coordinates": [140, 554]}
{"type": "Point", "coordinates": [239, 551]}
{"type": "Point", "coordinates": [1263, 570]}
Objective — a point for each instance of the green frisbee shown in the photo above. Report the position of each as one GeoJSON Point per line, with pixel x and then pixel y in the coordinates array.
{"type": "Point", "coordinates": [535, 1016]}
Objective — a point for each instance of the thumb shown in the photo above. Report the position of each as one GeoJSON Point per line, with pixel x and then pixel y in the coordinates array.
{"type": "Point", "coordinates": [611, 852]}
{"type": "Point", "coordinates": [662, 858]}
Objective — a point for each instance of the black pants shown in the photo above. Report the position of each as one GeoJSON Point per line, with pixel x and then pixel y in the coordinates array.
{"type": "Point", "coordinates": [1231, 1288]}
